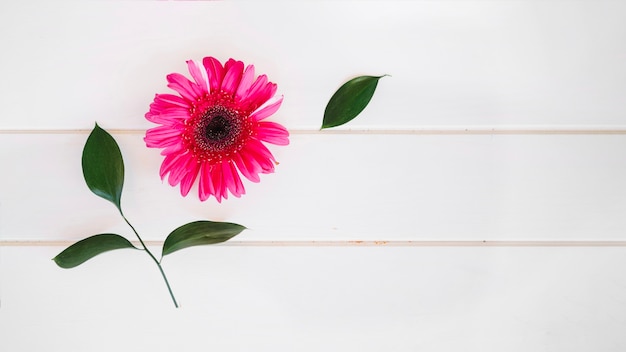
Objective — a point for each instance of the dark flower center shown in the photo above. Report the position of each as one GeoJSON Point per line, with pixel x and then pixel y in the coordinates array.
{"type": "Point", "coordinates": [218, 129]}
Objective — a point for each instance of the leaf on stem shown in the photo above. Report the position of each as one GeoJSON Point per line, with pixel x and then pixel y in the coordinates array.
{"type": "Point", "coordinates": [103, 167]}
{"type": "Point", "coordinates": [89, 247]}
{"type": "Point", "coordinates": [200, 233]}
{"type": "Point", "coordinates": [349, 100]}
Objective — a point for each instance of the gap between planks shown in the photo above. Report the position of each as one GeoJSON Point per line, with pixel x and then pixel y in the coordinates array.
{"type": "Point", "coordinates": [427, 130]}
{"type": "Point", "coordinates": [357, 243]}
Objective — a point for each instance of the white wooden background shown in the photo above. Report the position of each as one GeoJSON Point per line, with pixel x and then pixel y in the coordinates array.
{"type": "Point", "coordinates": [476, 205]}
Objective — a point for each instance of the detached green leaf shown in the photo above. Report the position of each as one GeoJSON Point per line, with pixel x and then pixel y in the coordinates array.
{"type": "Point", "coordinates": [103, 167]}
{"type": "Point", "coordinates": [349, 100]}
{"type": "Point", "coordinates": [90, 247]}
{"type": "Point", "coordinates": [200, 233]}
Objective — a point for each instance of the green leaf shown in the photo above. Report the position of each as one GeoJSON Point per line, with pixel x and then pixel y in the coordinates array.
{"type": "Point", "coordinates": [103, 167]}
{"type": "Point", "coordinates": [88, 248]}
{"type": "Point", "coordinates": [349, 100]}
{"type": "Point", "coordinates": [200, 233]}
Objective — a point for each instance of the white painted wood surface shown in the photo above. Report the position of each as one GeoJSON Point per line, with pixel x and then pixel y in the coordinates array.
{"type": "Point", "coordinates": [343, 187]}
{"type": "Point", "coordinates": [501, 122]}
{"type": "Point", "coordinates": [318, 299]}
{"type": "Point", "coordinates": [452, 62]}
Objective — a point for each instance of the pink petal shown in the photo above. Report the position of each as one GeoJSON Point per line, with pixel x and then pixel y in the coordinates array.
{"type": "Point", "coordinates": [268, 108]}
{"type": "Point", "coordinates": [247, 167]}
{"type": "Point", "coordinates": [215, 72]}
{"type": "Point", "coordinates": [257, 86]}
{"type": "Point", "coordinates": [159, 107]}
{"type": "Point", "coordinates": [232, 77]}
{"type": "Point", "coordinates": [169, 116]}
{"type": "Point", "coordinates": [189, 178]}
{"type": "Point", "coordinates": [161, 137]}
{"type": "Point", "coordinates": [233, 181]}
{"type": "Point", "coordinates": [246, 82]}
{"type": "Point", "coordinates": [205, 186]}
{"type": "Point", "coordinates": [252, 160]}
{"type": "Point", "coordinates": [183, 86]}
{"type": "Point", "coordinates": [218, 185]}
{"type": "Point", "coordinates": [272, 88]}
{"type": "Point", "coordinates": [167, 164]}
{"type": "Point", "coordinates": [179, 168]}
{"type": "Point", "coordinates": [254, 95]}
{"type": "Point", "coordinates": [170, 99]}
{"type": "Point", "coordinates": [238, 184]}
{"type": "Point", "coordinates": [263, 94]}
{"type": "Point", "coordinates": [176, 148]}
{"type": "Point", "coordinates": [258, 153]}
{"type": "Point", "coordinates": [272, 132]}
{"type": "Point", "coordinates": [199, 75]}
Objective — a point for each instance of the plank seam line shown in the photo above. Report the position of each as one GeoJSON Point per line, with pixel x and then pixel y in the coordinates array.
{"type": "Point", "coordinates": [357, 243]}
{"type": "Point", "coordinates": [399, 131]}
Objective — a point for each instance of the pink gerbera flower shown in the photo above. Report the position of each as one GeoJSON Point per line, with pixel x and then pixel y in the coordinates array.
{"type": "Point", "coordinates": [216, 127]}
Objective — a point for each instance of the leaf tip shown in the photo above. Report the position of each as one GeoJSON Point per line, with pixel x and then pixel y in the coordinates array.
{"type": "Point", "coordinates": [60, 263]}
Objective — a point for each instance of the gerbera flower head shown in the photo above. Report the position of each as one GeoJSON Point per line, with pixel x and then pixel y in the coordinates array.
{"type": "Point", "coordinates": [214, 129]}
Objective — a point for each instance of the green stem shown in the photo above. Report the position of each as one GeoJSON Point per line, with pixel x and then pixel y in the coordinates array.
{"type": "Point", "coordinates": [153, 258]}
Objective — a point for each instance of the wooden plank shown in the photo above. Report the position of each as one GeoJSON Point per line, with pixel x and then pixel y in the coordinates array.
{"type": "Point", "coordinates": [340, 188]}
{"type": "Point", "coordinates": [312, 299]}
{"type": "Point", "coordinates": [451, 63]}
